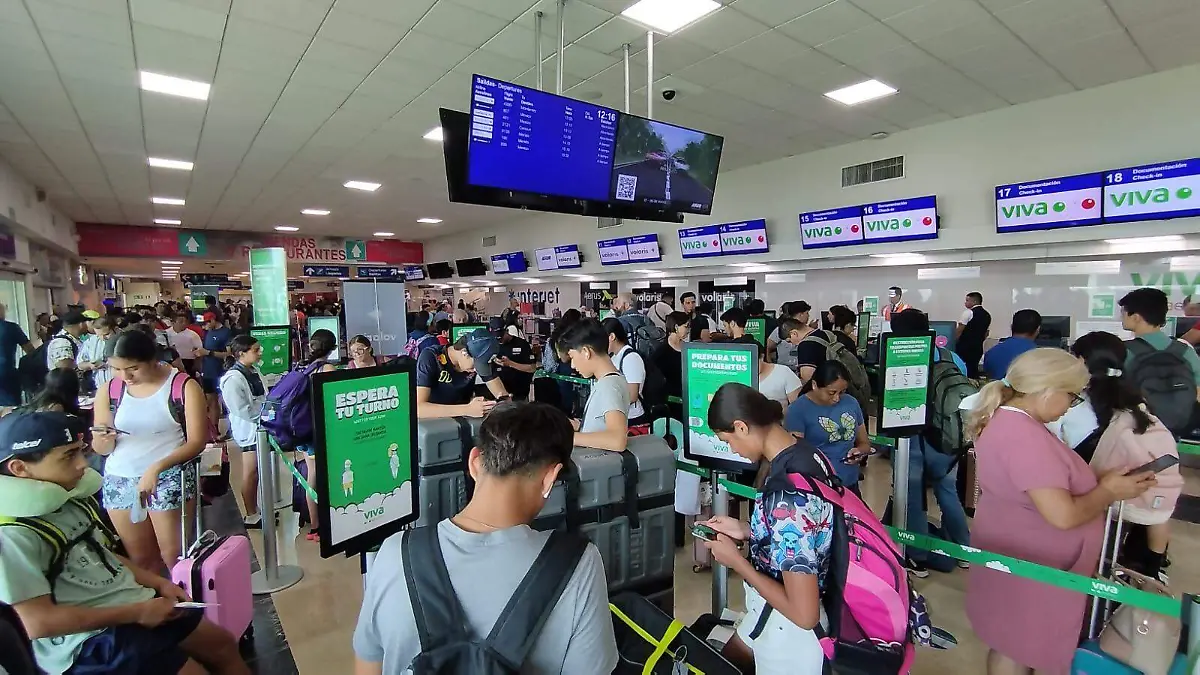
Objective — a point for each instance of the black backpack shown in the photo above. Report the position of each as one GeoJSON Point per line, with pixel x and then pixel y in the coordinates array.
{"type": "Point", "coordinates": [947, 388]}
{"type": "Point", "coordinates": [1165, 378]}
{"type": "Point", "coordinates": [654, 389]}
{"type": "Point", "coordinates": [16, 651]}
{"type": "Point", "coordinates": [447, 644]}
{"type": "Point", "coordinates": [32, 368]}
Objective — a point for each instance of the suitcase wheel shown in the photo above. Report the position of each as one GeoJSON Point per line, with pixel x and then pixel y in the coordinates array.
{"type": "Point", "coordinates": [246, 642]}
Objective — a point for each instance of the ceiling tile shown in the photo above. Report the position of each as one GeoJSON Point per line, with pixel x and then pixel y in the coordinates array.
{"type": "Point", "coordinates": [882, 66]}
{"type": "Point", "coordinates": [81, 22]}
{"type": "Point", "coordinates": [361, 31]}
{"type": "Point", "coordinates": [806, 65]}
{"type": "Point", "coordinates": [516, 41]}
{"type": "Point", "coordinates": [1170, 43]}
{"type": "Point", "coordinates": [430, 50]}
{"type": "Point", "coordinates": [179, 17]}
{"type": "Point", "coordinates": [101, 102]}
{"type": "Point", "coordinates": [302, 16]}
{"type": "Point", "coordinates": [343, 56]}
{"type": "Point", "coordinates": [765, 50]}
{"type": "Point", "coordinates": [885, 9]}
{"type": "Point", "coordinates": [14, 13]}
{"type": "Point", "coordinates": [310, 73]}
{"type": "Point", "coordinates": [1100, 60]}
{"type": "Point", "coordinates": [454, 22]}
{"type": "Point", "coordinates": [722, 30]}
{"type": "Point", "coordinates": [254, 42]}
{"type": "Point", "coordinates": [404, 14]}
{"type": "Point", "coordinates": [1034, 13]}
{"type": "Point", "coordinates": [1138, 12]}
{"type": "Point", "coordinates": [584, 62]}
{"type": "Point", "coordinates": [1041, 84]}
{"type": "Point", "coordinates": [494, 65]}
{"type": "Point", "coordinates": [864, 43]}
{"type": "Point", "coordinates": [826, 23]}
{"type": "Point", "coordinates": [672, 55]}
{"type": "Point", "coordinates": [949, 44]}
{"type": "Point", "coordinates": [937, 17]}
{"type": "Point", "coordinates": [581, 18]}
{"type": "Point", "coordinates": [165, 51]}
{"type": "Point", "coordinates": [507, 10]}
{"type": "Point", "coordinates": [609, 37]}
{"type": "Point", "coordinates": [1084, 25]}
{"type": "Point", "coordinates": [1003, 61]}
{"type": "Point", "coordinates": [777, 12]}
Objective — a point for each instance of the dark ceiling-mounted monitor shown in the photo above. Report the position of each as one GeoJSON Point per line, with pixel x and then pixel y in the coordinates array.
{"type": "Point", "coordinates": [471, 267]}
{"type": "Point", "coordinates": [439, 270]}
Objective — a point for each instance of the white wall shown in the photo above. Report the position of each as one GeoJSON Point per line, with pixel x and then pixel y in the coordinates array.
{"type": "Point", "coordinates": [1144, 120]}
{"type": "Point", "coordinates": [40, 221]}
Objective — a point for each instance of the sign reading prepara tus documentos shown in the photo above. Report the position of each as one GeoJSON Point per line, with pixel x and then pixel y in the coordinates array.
{"type": "Point", "coordinates": [1051, 203]}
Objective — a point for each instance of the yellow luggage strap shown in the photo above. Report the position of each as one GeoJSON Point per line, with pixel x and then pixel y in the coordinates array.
{"type": "Point", "coordinates": [660, 646]}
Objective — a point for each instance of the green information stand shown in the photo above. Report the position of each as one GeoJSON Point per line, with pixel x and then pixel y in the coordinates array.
{"type": "Point", "coordinates": [329, 323]}
{"type": "Point", "coordinates": [756, 328]}
{"type": "Point", "coordinates": [365, 434]}
{"type": "Point", "coordinates": [460, 329]}
{"type": "Point", "coordinates": [268, 286]}
{"type": "Point", "coordinates": [705, 368]}
{"type": "Point", "coordinates": [905, 364]}
{"type": "Point", "coordinates": [276, 349]}
{"type": "Point", "coordinates": [864, 332]}
{"type": "Point", "coordinates": [1102, 306]}
{"type": "Point", "coordinates": [871, 304]}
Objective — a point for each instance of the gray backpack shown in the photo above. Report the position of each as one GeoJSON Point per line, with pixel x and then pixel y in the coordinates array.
{"type": "Point", "coordinates": [860, 385]}
{"type": "Point", "coordinates": [948, 386]}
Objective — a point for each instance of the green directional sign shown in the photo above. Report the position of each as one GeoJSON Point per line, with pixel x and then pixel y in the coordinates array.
{"type": "Point", "coordinates": [1103, 306]}
{"type": "Point", "coordinates": [356, 249]}
{"type": "Point", "coordinates": [193, 243]}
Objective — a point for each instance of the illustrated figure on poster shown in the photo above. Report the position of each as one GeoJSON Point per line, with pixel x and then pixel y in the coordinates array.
{"type": "Point", "coordinates": [348, 480]}
{"type": "Point", "coordinates": [394, 460]}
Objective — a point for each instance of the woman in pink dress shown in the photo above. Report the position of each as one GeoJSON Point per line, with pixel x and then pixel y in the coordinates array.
{"type": "Point", "coordinates": [1040, 502]}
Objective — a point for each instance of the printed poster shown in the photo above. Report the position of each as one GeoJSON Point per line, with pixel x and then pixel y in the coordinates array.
{"type": "Point", "coordinates": [906, 381]}
{"type": "Point", "coordinates": [706, 368]}
{"type": "Point", "coordinates": [276, 348]}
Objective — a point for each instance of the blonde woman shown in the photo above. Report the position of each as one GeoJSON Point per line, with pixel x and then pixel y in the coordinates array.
{"type": "Point", "coordinates": [1040, 502]}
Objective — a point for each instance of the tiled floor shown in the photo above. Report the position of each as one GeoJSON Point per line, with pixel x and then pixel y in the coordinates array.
{"type": "Point", "coordinates": [319, 614]}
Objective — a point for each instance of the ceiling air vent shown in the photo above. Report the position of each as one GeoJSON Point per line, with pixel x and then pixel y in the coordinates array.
{"type": "Point", "coordinates": [604, 223]}
{"type": "Point", "coordinates": [873, 172]}
{"type": "Point", "coordinates": [489, 241]}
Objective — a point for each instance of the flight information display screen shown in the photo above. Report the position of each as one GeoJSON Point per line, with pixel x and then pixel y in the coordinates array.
{"type": "Point", "coordinates": [1152, 192]}
{"type": "Point", "coordinates": [509, 263]}
{"type": "Point", "coordinates": [530, 141]}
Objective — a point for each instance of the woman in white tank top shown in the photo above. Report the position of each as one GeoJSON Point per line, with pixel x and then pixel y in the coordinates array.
{"type": "Point", "coordinates": [146, 448]}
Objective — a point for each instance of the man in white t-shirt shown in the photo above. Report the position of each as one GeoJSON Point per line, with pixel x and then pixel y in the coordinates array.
{"type": "Point", "coordinates": [633, 369]}
{"type": "Point", "coordinates": [658, 313]}
{"type": "Point", "coordinates": [184, 340]}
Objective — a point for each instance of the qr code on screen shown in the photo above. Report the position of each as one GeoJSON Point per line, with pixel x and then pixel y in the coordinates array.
{"type": "Point", "coordinates": [626, 187]}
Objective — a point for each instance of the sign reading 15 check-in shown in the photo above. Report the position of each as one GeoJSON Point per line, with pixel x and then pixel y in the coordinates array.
{"type": "Point", "coordinates": [1152, 192]}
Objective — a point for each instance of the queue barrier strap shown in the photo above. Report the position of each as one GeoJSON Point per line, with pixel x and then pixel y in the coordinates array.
{"type": "Point", "coordinates": [1078, 583]}
{"type": "Point", "coordinates": [295, 472]}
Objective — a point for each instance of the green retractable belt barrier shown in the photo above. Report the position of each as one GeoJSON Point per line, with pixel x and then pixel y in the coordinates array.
{"type": "Point", "coordinates": [1188, 447]}
{"type": "Point", "coordinates": [288, 463]}
{"type": "Point", "coordinates": [1027, 570]}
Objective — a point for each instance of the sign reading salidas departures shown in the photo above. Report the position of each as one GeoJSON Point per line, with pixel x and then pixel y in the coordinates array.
{"type": "Point", "coordinates": [705, 368]}
{"type": "Point", "coordinates": [365, 433]}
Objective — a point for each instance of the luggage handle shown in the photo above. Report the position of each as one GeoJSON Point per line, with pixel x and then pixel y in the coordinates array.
{"type": "Point", "coordinates": [1111, 543]}
{"type": "Point", "coordinates": [188, 545]}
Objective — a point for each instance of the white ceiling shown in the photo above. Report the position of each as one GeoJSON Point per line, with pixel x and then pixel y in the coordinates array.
{"type": "Point", "coordinates": [310, 93]}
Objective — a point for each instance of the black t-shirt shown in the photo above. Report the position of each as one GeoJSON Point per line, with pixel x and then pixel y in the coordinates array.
{"type": "Point", "coordinates": [699, 325]}
{"type": "Point", "coordinates": [975, 332]}
{"type": "Point", "coordinates": [810, 353]}
{"type": "Point", "coordinates": [516, 382]}
{"type": "Point", "coordinates": [846, 340]}
{"type": "Point", "coordinates": [670, 364]}
{"type": "Point", "coordinates": [447, 385]}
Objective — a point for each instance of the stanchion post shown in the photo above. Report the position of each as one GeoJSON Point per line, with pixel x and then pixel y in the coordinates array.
{"type": "Point", "coordinates": [900, 486]}
{"type": "Point", "coordinates": [271, 576]}
{"type": "Point", "coordinates": [720, 573]}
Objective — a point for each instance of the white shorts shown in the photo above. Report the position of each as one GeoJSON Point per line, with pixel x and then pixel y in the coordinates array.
{"type": "Point", "coordinates": [782, 648]}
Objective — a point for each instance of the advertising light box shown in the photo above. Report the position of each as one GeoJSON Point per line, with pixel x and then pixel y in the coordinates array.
{"type": "Point", "coordinates": [509, 263]}
{"type": "Point", "coordinates": [558, 258]}
{"type": "Point", "coordinates": [1070, 201]}
{"type": "Point", "coordinates": [1152, 192]}
{"type": "Point", "coordinates": [832, 227]}
{"type": "Point", "coordinates": [613, 251]}
{"type": "Point", "coordinates": [900, 220]}
{"type": "Point", "coordinates": [643, 248]}
{"type": "Point", "coordinates": [700, 242]}
{"type": "Point", "coordinates": [746, 237]}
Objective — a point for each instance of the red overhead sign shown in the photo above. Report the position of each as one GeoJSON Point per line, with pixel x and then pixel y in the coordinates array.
{"type": "Point", "coordinates": [126, 241]}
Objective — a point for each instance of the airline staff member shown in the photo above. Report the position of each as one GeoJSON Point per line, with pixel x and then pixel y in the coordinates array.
{"type": "Point", "coordinates": [446, 377]}
{"type": "Point", "coordinates": [894, 304]}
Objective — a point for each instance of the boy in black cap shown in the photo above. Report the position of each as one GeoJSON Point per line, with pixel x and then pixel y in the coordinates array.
{"type": "Point", "coordinates": [64, 346]}
{"type": "Point", "coordinates": [514, 357]}
{"type": "Point", "coordinates": [88, 609]}
{"type": "Point", "coordinates": [446, 377]}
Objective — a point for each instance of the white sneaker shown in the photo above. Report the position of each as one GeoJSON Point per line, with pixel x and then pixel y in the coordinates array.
{"type": "Point", "coordinates": [253, 521]}
{"type": "Point", "coordinates": [964, 565]}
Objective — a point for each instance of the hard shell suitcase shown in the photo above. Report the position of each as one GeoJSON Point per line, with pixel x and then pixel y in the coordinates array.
{"type": "Point", "coordinates": [216, 570]}
{"type": "Point", "coordinates": [444, 485]}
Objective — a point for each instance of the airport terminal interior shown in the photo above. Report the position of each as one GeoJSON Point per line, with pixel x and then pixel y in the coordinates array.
{"type": "Point", "coordinates": [419, 208]}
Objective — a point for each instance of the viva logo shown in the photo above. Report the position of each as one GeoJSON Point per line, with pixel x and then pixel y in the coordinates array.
{"type": "Point", "coordinates": [1156, 196]}
{"type": "Point", "coordinates": [698, 244]}
{"type": "Point", "coordinates": [827, 231]}
{"type": "Point", "coordinates": [1041, 208]}
{"type": "Point", "coordinates": [1167, 281]}
{"type": "Point", "coordinates": [372, 514]}
{"type": "Point", "coordinates": [1101, 587]}
{"type": "Point", "coordinates": [894, 224]}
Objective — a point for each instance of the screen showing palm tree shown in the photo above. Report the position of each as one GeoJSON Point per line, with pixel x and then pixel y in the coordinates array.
{"type": "Point", "coordinates": [660, 164]}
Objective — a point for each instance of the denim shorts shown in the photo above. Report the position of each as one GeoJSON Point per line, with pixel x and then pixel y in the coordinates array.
{"type": "Point", "coordinates": [121, 492]}
{"type": "Point", "coordinates": [131, 649]}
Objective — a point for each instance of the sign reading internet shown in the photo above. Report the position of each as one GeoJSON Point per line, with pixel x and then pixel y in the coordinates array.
{"type": "Point", "coordinates": [1045, 204]}
{"type": "Point", "coordinates": [833, 227]}
{"type": "Point", "coordinates": [1152, 192]}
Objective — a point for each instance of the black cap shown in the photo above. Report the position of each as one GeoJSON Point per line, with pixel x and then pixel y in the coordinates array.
{"type": "Point", "coordinates": [27, 433]}
{"type": "Point", "coordinates": [74, 318]}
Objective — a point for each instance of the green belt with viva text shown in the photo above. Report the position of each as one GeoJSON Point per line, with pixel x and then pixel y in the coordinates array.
{"type": "Point", "coordinates": [1100, 588]}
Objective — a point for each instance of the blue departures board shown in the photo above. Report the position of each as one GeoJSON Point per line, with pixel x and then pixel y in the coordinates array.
{"type": "Point", "coordinates": [509, 263]}
{"type": "Point", "coordinates": [1069, 201]}
{"type": "Point", "coordinates": [1152, 192]}
{"type": "Point", "coordinates": [530, 141]}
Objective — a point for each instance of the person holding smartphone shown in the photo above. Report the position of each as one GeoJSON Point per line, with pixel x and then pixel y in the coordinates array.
{"type": "Point", "coordinates": [833, 421]}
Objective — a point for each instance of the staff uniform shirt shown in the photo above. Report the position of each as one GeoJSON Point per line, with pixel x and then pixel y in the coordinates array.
{"type": "Point", "coordinates": [447, 385]}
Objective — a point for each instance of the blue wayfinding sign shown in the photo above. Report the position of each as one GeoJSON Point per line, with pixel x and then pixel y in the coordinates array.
{"type": "Point", "coordinates": [380, 273]}
{"type": "Point", "coordinates": [338, 271]}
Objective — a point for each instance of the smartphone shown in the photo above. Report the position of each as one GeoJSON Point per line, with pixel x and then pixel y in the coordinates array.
{"type": "Point", "coordinates": [1161, 464]}
{"type": "Point", "coordinates": [704, 532]}
{"type": "Point", "coordinates": [113, 430]}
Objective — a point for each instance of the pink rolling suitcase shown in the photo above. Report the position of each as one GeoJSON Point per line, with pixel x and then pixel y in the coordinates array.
{"type": "Point", "coordinates": [216, 570]}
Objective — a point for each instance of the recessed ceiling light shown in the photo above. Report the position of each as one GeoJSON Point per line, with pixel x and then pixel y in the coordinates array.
{"type": "Point", "coordinates": [1163, 239]}
{"type": "Point", "coordinates": [900, 258]}
{"type": "Point", "coordinates": [434, 134]}
{"type": "Point", "coordinates": [172, 262]}
{"type": "Point", "coordinates": [167, 201]}
{"type": "Point", "coordinates": [669, 16]}
{"type": "Point", "coordinates": [429, 221]}
{"type": "Point", "coordinates": [287, 228]}
{"type": "Point", "coordinates": [861, 92]}
{"type": "Point", "coordinates": [315, 212]}
{"type": "Point", "coordinates": [528, 280]}
{"type": "Point", "coordinates": [385, 234]}
{"type": "Point", "coordinates": [168, 221]}
{"type": "Point", "coordinates": [175, 86]}
{"type": "Point", "coordinates": [365, 186]}
{"type": "Point", "coordinates": [160, 163]}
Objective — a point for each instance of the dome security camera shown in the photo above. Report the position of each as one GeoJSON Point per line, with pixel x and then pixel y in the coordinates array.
{"type": "Point", "coordinates": [668, 94]}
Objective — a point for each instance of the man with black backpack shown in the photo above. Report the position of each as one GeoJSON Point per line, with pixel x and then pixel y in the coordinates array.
{"type": "Point", "coordinates": [481, 593]}
{"type": "Point", "coordinates": [1166, 371]}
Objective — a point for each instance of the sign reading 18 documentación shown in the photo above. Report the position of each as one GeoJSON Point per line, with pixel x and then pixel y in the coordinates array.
{"type": "Point", "coordinates": [906, 364]}
{"type": "Point", "coordinates": [365, 456]}
{"type": "Point", "coordinates": [705, 368]}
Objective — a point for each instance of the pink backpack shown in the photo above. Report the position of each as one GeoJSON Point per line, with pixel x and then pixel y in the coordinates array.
{"type": "Point", "coordinates": [1120, 447]}
{"type": "Point", "coordinates": [116, 392]}
{"type": "Point", "coordinates": [875, 616]}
